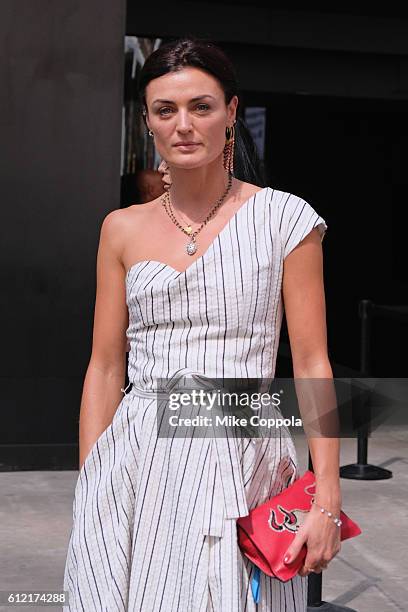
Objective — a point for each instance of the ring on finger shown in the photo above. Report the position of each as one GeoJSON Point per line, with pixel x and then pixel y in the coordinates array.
{"type": "Point", "coordinates": [320, 568]}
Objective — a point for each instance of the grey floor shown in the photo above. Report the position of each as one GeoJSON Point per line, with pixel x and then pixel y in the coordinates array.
{"type": "Point", "coordinates": [368, 575]}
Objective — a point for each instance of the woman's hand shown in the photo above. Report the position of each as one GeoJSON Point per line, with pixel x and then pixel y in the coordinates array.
{"type": "Point", "coordinates": [165, 172]}
{"type": "Point", "coordinates": [322, 538]}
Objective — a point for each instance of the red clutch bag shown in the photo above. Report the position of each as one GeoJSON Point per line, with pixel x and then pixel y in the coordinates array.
{"type": "Point", "coordinates": [267, 531]}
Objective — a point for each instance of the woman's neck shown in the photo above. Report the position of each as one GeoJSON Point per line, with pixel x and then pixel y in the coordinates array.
{"type": "Point", "coordinates": [195, 191]}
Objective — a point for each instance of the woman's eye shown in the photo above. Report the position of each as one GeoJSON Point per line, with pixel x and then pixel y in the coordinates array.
{"type": "Point", "coordinates": [202, 106]}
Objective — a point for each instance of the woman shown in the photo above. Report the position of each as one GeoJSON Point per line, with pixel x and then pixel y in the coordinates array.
{"type": "Point", "coordinates": [194, 280]}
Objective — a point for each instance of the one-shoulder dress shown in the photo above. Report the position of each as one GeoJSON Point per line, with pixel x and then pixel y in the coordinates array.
{"type": "Point", "coordinates": [154, 518]}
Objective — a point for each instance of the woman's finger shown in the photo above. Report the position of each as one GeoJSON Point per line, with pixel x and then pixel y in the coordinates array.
{"type": "Point", "coordinates": [163, 166]}
{"type": "Point", "coordinates": [164, 171]}
{"type": "Point", "coordinates": [166, 182]}
{"type": "Point", "coordinates": [305, 570]}
{"type": "Point", "coordinates": [317, 568]}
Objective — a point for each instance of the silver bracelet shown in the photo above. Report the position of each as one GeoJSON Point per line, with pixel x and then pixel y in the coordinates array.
{"type": "Point", "coordinates": [330, 514]}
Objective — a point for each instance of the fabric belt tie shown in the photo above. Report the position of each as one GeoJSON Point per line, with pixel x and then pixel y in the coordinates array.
{"type": "Point", "coordinates": [225, 492]}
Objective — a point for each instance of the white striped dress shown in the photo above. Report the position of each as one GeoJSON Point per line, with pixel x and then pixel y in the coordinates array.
{"type": "Point", "coordinates": [154, 519]}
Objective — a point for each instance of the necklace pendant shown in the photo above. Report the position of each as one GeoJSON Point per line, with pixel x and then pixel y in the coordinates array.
{"type": "Point", "coordinates": [191, 247]}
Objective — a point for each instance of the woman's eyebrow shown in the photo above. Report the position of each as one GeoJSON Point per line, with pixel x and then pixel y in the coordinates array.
{"type": "Point", "coordinates": [161, 101]}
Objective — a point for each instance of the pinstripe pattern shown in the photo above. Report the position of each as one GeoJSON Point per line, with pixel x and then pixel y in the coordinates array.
{"type": "Point", "coordinates": [154, 518]}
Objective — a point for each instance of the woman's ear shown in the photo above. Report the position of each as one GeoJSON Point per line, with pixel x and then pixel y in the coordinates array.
{"type": "Point", "coordinates": [233, 104]}
{"type": "Point", "coordinates": [144, 115]}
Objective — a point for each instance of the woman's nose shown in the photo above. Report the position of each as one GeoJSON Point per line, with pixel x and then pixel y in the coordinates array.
{"type": "Point", "coordinates": [184, 121]}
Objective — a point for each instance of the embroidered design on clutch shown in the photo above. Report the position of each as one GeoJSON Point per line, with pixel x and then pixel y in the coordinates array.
{"type": "Point", "coordinates": [292, 519]}
{"type": "Point", "coordinates": [291, 522]}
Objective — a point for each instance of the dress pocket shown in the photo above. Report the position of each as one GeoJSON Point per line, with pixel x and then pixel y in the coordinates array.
{"type": "Point", "coordinates": [97, 443]}
{"type": "Point", "coordinates": [100, 442]}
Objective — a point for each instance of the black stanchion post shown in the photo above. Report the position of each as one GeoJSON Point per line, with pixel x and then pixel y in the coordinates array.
{"type": "Point", "coordinates": [314, 583]}
{"type": "Point", "coordinates": [362, 470]}
{"type": "Point", "coordinates": [314, 588]}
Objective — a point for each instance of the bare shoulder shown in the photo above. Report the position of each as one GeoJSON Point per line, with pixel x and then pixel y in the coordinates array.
{"type": "Point", "coordinates": [142, 209]}
{"type": "Point", "coordinates": [135, 217]}
{"type": "Point", "coordinates": [126, 226]}
{"type": "Point", "coordinates": [120, 219]}
{"type": "Point", "coordinates": [120, 223]}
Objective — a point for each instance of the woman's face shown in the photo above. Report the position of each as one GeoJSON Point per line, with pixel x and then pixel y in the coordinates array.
{"type": "Point", "coordinates": [188, 106]}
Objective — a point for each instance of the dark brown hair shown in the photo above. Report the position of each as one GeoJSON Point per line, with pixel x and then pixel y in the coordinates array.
{"type": "Point", "coordinates": [203, 54]}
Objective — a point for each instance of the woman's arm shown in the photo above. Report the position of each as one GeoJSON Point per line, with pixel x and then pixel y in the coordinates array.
{"type": "Point", "coordinates": [107, 366]}
{"type": "Point", "coordinates": [304, 301]}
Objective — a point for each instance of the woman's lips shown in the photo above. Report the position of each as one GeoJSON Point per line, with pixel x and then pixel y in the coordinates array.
{"type": "Point", "coordinates": [186, 146]}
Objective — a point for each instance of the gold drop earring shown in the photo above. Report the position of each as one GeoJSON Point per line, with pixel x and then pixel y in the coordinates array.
{"type": "Point", "coordinates": [229, 149]}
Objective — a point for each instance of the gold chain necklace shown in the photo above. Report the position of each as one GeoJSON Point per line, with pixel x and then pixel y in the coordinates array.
{"type": "Point", "coordinates": [191, 246]}
{"type": "Point", "coordinates": [187, 227]}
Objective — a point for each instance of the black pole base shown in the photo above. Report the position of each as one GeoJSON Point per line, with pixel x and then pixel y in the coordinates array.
{"type": "Point", "coordinates": [364, 471]}
{"type": "Point", "coordinates": [329, 607]}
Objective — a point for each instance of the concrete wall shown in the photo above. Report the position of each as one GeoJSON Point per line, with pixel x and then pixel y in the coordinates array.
{"type": "Point", "coordinates": [61, 81]}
